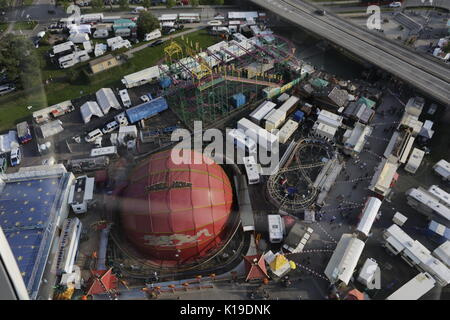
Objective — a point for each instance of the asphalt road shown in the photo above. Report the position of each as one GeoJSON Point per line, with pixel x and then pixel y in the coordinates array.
{"type": "Point", "coordinates": [426, 75]}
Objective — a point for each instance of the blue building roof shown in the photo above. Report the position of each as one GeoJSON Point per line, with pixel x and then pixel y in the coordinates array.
{"type": "Point", "coordinates": [26, 209]}
{"type": "Point", "coordinates": [146, 110]}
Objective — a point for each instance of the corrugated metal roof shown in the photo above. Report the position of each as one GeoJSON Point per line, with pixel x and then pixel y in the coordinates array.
{"type": "Point", "coordinates": [147, 109]}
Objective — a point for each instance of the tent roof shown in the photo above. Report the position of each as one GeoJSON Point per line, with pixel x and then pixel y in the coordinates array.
{"type": "Point", "coordinates": [89, 109]}
{"type": "Point", "coordinates": [279, 261]}
{"type": "Point", "coordinates": [107, 100]}
{"type": "Point", "coordinates": [102, 279]}
{"type": "Point", "coordinates": [255, 270]}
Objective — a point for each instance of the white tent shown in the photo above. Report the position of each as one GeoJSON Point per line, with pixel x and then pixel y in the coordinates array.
{"type": "Point", "coordinates": [90, 109]}
{"type": "Point", "coordinates": [78, 37]}
{"type": "Point", "coordinates": [107, 100]}
{"type": "Point", "coordinates": [8, 141]}
{"type": "Point", "coordinates": [82, 28]}
{"type": "Point", "coordinates": [51, 128]}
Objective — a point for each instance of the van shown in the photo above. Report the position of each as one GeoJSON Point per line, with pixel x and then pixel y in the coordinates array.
{"type": "Point", "coordinates": [15, 157]}
{"type": "Point", "coordinates": [110, 127]}
{"type": "Point", "coordinates": [101, 33]}
{"type": "Point", "coordinates": [139, 10]}
{"type": "Point", "coordinates": [91, 136]}
{"type": "Point", "coordinates": [155, 34]}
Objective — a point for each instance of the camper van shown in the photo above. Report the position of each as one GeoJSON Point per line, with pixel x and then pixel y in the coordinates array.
{"type": "Point", "coordinates": [155, 34]}
{"type": "Point", "coordinates": [124, 32]}
{"type": "Point", "coordinates": [101, 33]}
{"type": "Point", "coordinates": [91, 136]}
{"type": "Point", "coordinates": [125, 98]}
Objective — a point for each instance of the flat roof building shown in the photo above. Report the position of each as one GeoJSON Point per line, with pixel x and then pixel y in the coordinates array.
{"type": "Point", "coordinates": [33, 207]}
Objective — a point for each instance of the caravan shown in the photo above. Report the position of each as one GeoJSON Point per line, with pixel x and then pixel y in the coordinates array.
{"type": "Point", "coordinates": [155, 34]}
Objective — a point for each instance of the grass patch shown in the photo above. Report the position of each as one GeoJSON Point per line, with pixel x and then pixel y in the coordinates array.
{"type": "Point", "coordinates": [25, 25]}
{"type": "Point", "coordinates": [3, 26]}
{"type": "Point", "coordinates": [13, 107]}
{"type": "Point", "coordinates": [27, 2]}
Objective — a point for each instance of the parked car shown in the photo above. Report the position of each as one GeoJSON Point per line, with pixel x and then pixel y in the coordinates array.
{"type": "Point", "coordinates": [110, 127]}
{"type": "Point", "coordinates": [15, 157]}
{"type": "Point", "coordinates": [395, 4]}
{"type": "Point", "coordinates": [93, 135]}
{"type": "Point", "coordinates": [320, 12]}
{"type": "Point", "coordinates": [156, 43]}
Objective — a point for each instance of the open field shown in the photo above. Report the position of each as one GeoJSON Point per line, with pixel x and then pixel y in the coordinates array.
{"type": "Point", "coordinates": [14, 106]}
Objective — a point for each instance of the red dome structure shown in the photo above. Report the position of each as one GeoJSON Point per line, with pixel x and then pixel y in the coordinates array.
{"type": "Point", "coordinates": [176, 213]}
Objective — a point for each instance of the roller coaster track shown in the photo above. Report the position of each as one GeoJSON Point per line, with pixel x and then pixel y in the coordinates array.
{"type": "Point", "coordinates": [252, 81]}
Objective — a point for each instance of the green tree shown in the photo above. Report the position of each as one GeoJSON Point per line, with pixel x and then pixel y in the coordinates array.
{"type": "Point", "coordinates": [194, 3]}
{"type": "Point", "coordinates": [170, 3]}
{"type": "Point", "coordinates": [5, 3]}
{"type": "Point", "coordinates": [124, 4]}
{"type": "Point", "coordinates": [18, 56]}
{"type": "Point", "coordinates": [146, 23]}
{"type": "Point", "coordinates": [146, 4]}
{"type": "Point", "coordinates": [97, 4]}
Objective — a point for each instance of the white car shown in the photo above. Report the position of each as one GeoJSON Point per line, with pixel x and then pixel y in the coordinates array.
{"type": "Point", "coordinates": [145, 98]}
{"type": "Point", "coordinates": [15, 157]}
{"type": "Point", "coordinates": [110, 127]}
{"type": "Point", "coordinates": [395, 4]}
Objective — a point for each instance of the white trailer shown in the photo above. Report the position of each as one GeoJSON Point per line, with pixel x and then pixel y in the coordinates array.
{"type": "Point", "coordinates": [415, 159]}
{"type": "Point", "coordinates": [101, 33]}
{"type": "Point", "coordinates": [242, 141]}
{"type": "Point", "coordinates": [252, 170]}
{"type": "Point", "coordinates": [105, 151]}
{"type": "Point", "coordinates": [274, 119]}
{"type": "Point", "coordinates": [368, 215]}
{"type": "Point", "coordinates": [125, 98]}
{"type": "Point", "coordinates": [155, 34]}
{"type": "Point", "coordinates": [168, 17]}
{"type": "Point", "coordinates": [91, 17]}
{"type": "Point", "coordinates": [261, 136]}
{"type": "Point", "coordinates": [287, 130]}
{"type": "Point", "coordinates": [414, 288]}
{"type": "Point", "coordinates": [276, 228]}
{"type": "Point", "coordinates": [289, 105]}
{"type": "Point", "coordinates": [442, 168]}
{"type": "Point", "coordinates": [189, 17]}
{"type": "Point", "coordinates": [263, 109]}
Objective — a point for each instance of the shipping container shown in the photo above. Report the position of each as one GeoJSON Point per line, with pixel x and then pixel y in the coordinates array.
{"type": "Point", "coordinates": [414, 288]}
{"type": "Point", "coordinates": [263, 109]}
{"type": "Point", "coordinates": [287, 130]}
{"type": "Point", "coordinates": [274, 119]}
{"type": "Point", "coordinates": [276, 228]}
{"type": "Point", "coordinates": [106, 151]}
{"type": "Point", "coordinates": [261, 136]}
